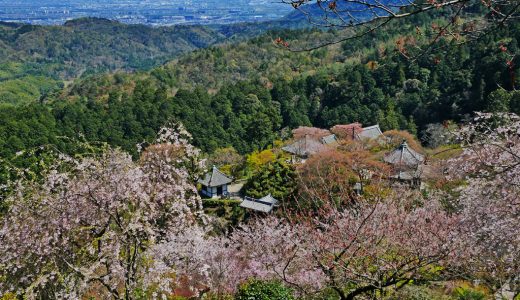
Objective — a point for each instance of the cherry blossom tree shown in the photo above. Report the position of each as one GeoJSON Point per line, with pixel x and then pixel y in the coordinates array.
{"type": "Point", "coordinates": [383, 246]}
{"type": "Point", "coordinates": [106, 226]}
{"type": "Point", "coordinates": [266, 248]}
{"type": "Point", "coordinates": [372, 249]}
{"type": "Point", "coordinates": [328, 179]}
{"type": "Point", "coordinates": [490, 200]}
{"type": "Point", "coordinates": [311, 132]}
{"type": "Point", "coordinates": [90, 227]}
{"type": "Point", "coordinates": [394, 138]}
{"type": "Point", "coordinates": [347, 132]}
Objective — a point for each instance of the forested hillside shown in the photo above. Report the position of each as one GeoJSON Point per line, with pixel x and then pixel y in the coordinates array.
{"type": "Point", "coordinates": [35, 60]}
{"type": "Point", "coordinates": [243, 95]}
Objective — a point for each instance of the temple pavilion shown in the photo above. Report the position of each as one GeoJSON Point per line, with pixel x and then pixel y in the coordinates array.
{"type": "Point", "coordinates": [407, 163]}
{"type": "Point", "coordinates": [215, 184]}
{"type": "Point", "coordinates": [306, 146]}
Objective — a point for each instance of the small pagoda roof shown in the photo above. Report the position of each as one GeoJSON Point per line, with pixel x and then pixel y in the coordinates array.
{"type": "Point", "coordinates": [370, 133]}
{"type": "Point", "coordinates": [215, 178]}
{"type": "Point", "coordinates": [265, 204]}
{"type": "Point", "coordinates": [305, 146]}
{"type": "Point", "coordinates": [404, 156]}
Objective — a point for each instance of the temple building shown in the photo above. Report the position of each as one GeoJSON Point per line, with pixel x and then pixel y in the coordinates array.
{"type": "Point", "coordinates": [263, 205]}
{"type": "Point", "coordinates": [306, 146]}
{"type": "Point", "coordinates": [407, 164]}
{"type": "Point", "coordinates": [215, 184]}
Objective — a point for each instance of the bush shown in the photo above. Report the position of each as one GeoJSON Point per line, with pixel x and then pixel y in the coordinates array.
{"type": "Point", "coordinates": [276, 178]}
{"type": "Point", "coordinates": [468, 294]}
{"type": "Point", "coordinates": [264, 290]}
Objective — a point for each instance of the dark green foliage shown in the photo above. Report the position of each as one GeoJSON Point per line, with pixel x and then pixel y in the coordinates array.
{"type": "Point", "coordinates": [515, 102]}
{"type": "Point", "coordinates": [277, 178]}
{"type": "Point", "coordinates": [26, 127]}
{"type": "Point", "coordinates": [264, 290]}
{"type": "Point", "coordinates": [499, 101]}
{"type": "Point", "coordinates": [229, 212]}
{"type": "Point", "coordinates": [242, 116]}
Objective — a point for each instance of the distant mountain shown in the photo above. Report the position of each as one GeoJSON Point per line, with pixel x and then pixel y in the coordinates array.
{"type": "Point", "coordinates": [95, 45]}
{"type": "Point", "coordinates": [34, 59]}
{"type": "Point", "coordinates": [99, 44]}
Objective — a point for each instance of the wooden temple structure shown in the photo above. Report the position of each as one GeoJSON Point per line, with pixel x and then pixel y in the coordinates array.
{"type": "Point", "coordinates": [407, 164]}
{"type": "Point", "coordinates": [263, 205]}
{"type": "Point", "coordinates": [215, 184]}
{"type": "Point", "coordinates": [306, 146]}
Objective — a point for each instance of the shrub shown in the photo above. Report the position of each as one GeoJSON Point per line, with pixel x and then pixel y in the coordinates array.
{"type": "Point", "coordinates": [264, 290]}
{"type": "Point", "coordinates": [276, 178]}
{"type": "Point", "coordinates": [468, 294]}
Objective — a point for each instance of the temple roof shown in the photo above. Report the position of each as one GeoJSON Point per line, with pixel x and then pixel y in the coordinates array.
{"type": "Point", "coordinates": [305, 146]}
{"type": "Point", "coordinates": [404, 156]}
{"type": "Point", "coordinates": [370, 133]}
{"type": "Point", "coordinates": [215, 178]}
{"type": "Point", "coordinates": [265, 204]}
{"type": "Point", "coordinates": [329, 139]}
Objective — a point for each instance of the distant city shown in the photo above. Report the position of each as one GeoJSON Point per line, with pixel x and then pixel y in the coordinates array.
{"type": "Point", "coordinates": [151, 12]}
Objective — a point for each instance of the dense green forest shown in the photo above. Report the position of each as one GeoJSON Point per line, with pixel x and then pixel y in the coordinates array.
{"type": "Point", "coordinates": [243, 94]}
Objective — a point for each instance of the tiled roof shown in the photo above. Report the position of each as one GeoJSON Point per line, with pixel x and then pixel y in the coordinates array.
{"type": "Point", "coordinates": [404, 156]}
{"type": "Point", "coordinates": [305, 146]}
{"type": "Point", "coordinates": [370, 133]}
{"type": "Point", "coordinates": [215, 178]}
{"type": "Point", "coordinates": [329, 139]}
{"type": "Point", "coordinates": [265, 205]}
{"type": "Point", "coordinates": [269, 199]}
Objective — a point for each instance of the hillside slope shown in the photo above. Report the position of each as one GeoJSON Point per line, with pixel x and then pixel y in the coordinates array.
{"type": "Point", "coordinates": [101, 44]}
{"type": "Point", "coordinates": [244, 94]}
{"type": "Point", "coordinates": [35, 59]}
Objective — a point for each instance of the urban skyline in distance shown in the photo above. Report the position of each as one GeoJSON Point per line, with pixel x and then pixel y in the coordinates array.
{"type": "Point", "coordinates": [150, 12]}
